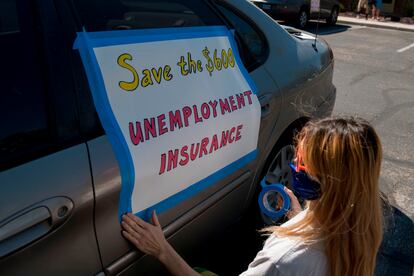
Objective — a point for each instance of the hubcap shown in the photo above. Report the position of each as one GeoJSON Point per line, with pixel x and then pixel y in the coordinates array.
{"type": "Point", "coordinates": [280, 166]}
{"type": "Point", "coordinates": [303, 19]}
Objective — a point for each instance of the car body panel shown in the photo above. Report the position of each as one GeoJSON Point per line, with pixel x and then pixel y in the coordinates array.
{"type": "Point", "coordinates": [69, 248]}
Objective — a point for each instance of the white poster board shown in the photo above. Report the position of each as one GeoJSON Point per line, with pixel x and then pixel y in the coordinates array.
{"type": "Point", "coordinates": [179, 109]}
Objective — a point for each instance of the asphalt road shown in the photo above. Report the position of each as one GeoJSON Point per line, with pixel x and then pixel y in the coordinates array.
{"type": "Point", "coordinates": [374, 80]}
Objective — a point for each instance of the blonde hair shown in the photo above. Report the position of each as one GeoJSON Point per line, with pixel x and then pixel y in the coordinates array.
{"type": "Point", "coordinates": [344, 155]}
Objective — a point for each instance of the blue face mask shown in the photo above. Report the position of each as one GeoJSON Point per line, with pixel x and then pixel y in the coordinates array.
{"type": "Point", "coordinates": [303, 185]}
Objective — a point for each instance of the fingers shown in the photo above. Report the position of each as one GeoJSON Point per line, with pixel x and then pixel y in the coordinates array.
{"type": "Point", "coordinates": [131, 228]}
{"type": "Point", "coordinates": [132, 225]}
{"type": "Point", "coordinates": [295, 206]}
{"type": "Point", "coordinates": [155, 219]}
{"type": "Point", "coordinates": [288, 191]}
{"type": "Point", "coordinates": [290, 194]}
{"type": "Point", "coordinates": [137, 220]}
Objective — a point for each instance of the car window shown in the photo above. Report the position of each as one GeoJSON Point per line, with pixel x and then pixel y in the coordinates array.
{"type": "Point", "coordinates": [23, 110]}
{"type": "Point", "coordinates": [143, 14]}
{"type": "Point", "coordinates": [8, 17]}
{"type": "Point", "coordinates": [254, 45]}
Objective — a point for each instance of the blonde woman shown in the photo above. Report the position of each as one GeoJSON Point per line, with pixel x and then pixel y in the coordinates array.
{"type": "Point", "coordinates": [339, 232]}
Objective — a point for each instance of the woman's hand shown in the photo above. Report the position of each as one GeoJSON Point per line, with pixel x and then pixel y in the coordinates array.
{"type": "Point", "coordinates": [295, 207]}
{"type": "Point", "coordinates": [151, 240]}
{"type": "Point", "coordinates": [146, 237]}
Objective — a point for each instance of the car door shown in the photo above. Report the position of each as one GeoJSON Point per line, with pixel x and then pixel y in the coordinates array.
{"type": "Point", "coordinates": [46, 192]}
{"type": "Point", "coordinates": [326, 8]}
{"type": "Point", "coordinates": [115, 251]}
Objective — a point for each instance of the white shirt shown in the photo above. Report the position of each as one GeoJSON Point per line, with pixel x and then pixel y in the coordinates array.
{"type": "Point", "coordinates": [288, 256]}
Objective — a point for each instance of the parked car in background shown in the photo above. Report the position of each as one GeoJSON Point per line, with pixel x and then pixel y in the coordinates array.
{"type": "Point", "coordinates": [299, 11]}
{"type": "Point", "coordinates": [59, 178]}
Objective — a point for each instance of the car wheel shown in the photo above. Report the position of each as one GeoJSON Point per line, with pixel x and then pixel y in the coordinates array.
{"type": "Point", "coordinates": [302, 19]}
{"type": "Point", "coordinates": [333, 18]}
{"type": "Point", "coordinates": [279, 172]}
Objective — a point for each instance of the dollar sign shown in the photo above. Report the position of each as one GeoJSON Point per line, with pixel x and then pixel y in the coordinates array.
{"type": "Point", "coordinates": [210, 64]}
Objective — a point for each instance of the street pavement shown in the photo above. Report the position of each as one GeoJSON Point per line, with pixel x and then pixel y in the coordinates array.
{"type": "Point", "coordinates": [374, 76]}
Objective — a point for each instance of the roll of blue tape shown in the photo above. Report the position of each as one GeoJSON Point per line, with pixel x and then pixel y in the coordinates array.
{"type": "Point", "coordinates": [266, 206]}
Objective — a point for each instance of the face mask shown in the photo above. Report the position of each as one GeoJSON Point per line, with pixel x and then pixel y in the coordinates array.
{"type": "Point", "coordinates": [303, 185]}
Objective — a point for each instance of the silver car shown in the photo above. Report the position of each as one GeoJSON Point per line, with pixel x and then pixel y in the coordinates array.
{"type": "Point", "coordinates": [59, 179]}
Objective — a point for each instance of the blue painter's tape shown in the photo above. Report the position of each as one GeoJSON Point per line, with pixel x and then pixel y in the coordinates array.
{"type": "Point", "coordinates": [265, 206]}
{"type": "Point", "coordinates": [85, 43]}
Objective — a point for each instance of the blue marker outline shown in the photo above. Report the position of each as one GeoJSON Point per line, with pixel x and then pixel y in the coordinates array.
{"type": "Point", "coordinates": [85, 42]}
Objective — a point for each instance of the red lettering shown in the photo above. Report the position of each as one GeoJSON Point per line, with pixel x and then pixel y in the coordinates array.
{"type": "Point", "coordinates": [224, 106]}
{"type": "Point", "coordinates": [203, 150]}
{"type": "Point", "coordinates": [238, 135]}
{"type": "Point", "coordinates": [248, 94]}
{"type": "Point", "coordinates": [161, 124]}
{"type": "Point", "coordinates": [193, 153]}
{"type": "Point", "coordinates": [213, 104]}
{"type": "Point", "coordinates": [233, 129]}
{"type": "Point", "coordinates": [175, 119]}
{"type": "Point", "coordinates": [224, 137]}
{"type": "Point", "coordinates": [185, 156]}
{"type": "Point", "coordinates": [136, 137]}
{"type": "Point", "coordinates": [149, 127]}
{"type": "Point", "coordinates": [205, 111]}
{"type": "Point", "coordinates": [196, 116]}
{"type": "Point", "coordinates": [214, 143]}
{"type": "Point", "coordinates": [240, 100]}
{"type": "Point", "coordinates": [181, 157]}
{"type": "Point", "coordinates": [172, 159]}
{"type": "Point", "coordinates": [187, 113]}
{"type": "Point", "coordinates": [162, 167]}
{"type": "Point", "coordinates": [232, 103]}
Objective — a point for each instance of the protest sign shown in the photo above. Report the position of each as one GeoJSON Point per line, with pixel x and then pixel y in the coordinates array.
{"type": "Point", "coordinates": [178, 107]}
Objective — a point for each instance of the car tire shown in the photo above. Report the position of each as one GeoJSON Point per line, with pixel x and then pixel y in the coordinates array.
{"type": "Point", "coordinates": [333, 17]}
{"type": "Point", "coordinates": [302, 18]}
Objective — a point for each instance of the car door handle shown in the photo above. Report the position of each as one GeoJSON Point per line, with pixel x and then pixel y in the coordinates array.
{"type": "Point", "coordinates": [265, 100]}
{"type": "Point", "coordinates": [23, 222]}
{"type": "Point", "coordinates": [32, 223]}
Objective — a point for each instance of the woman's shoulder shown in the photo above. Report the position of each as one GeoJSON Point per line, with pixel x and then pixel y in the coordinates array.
{"type": "Point", "coordinates": [300, 258]}
{"type": "Point", "coordinates": [288, 256]}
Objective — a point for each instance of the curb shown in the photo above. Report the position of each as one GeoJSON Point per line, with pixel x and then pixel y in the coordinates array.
{"type": "Point", "coordinates": [376, 25]}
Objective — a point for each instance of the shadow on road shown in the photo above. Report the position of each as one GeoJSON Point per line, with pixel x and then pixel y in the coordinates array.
{"type": "Point", "coordinates": [396, 254]}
